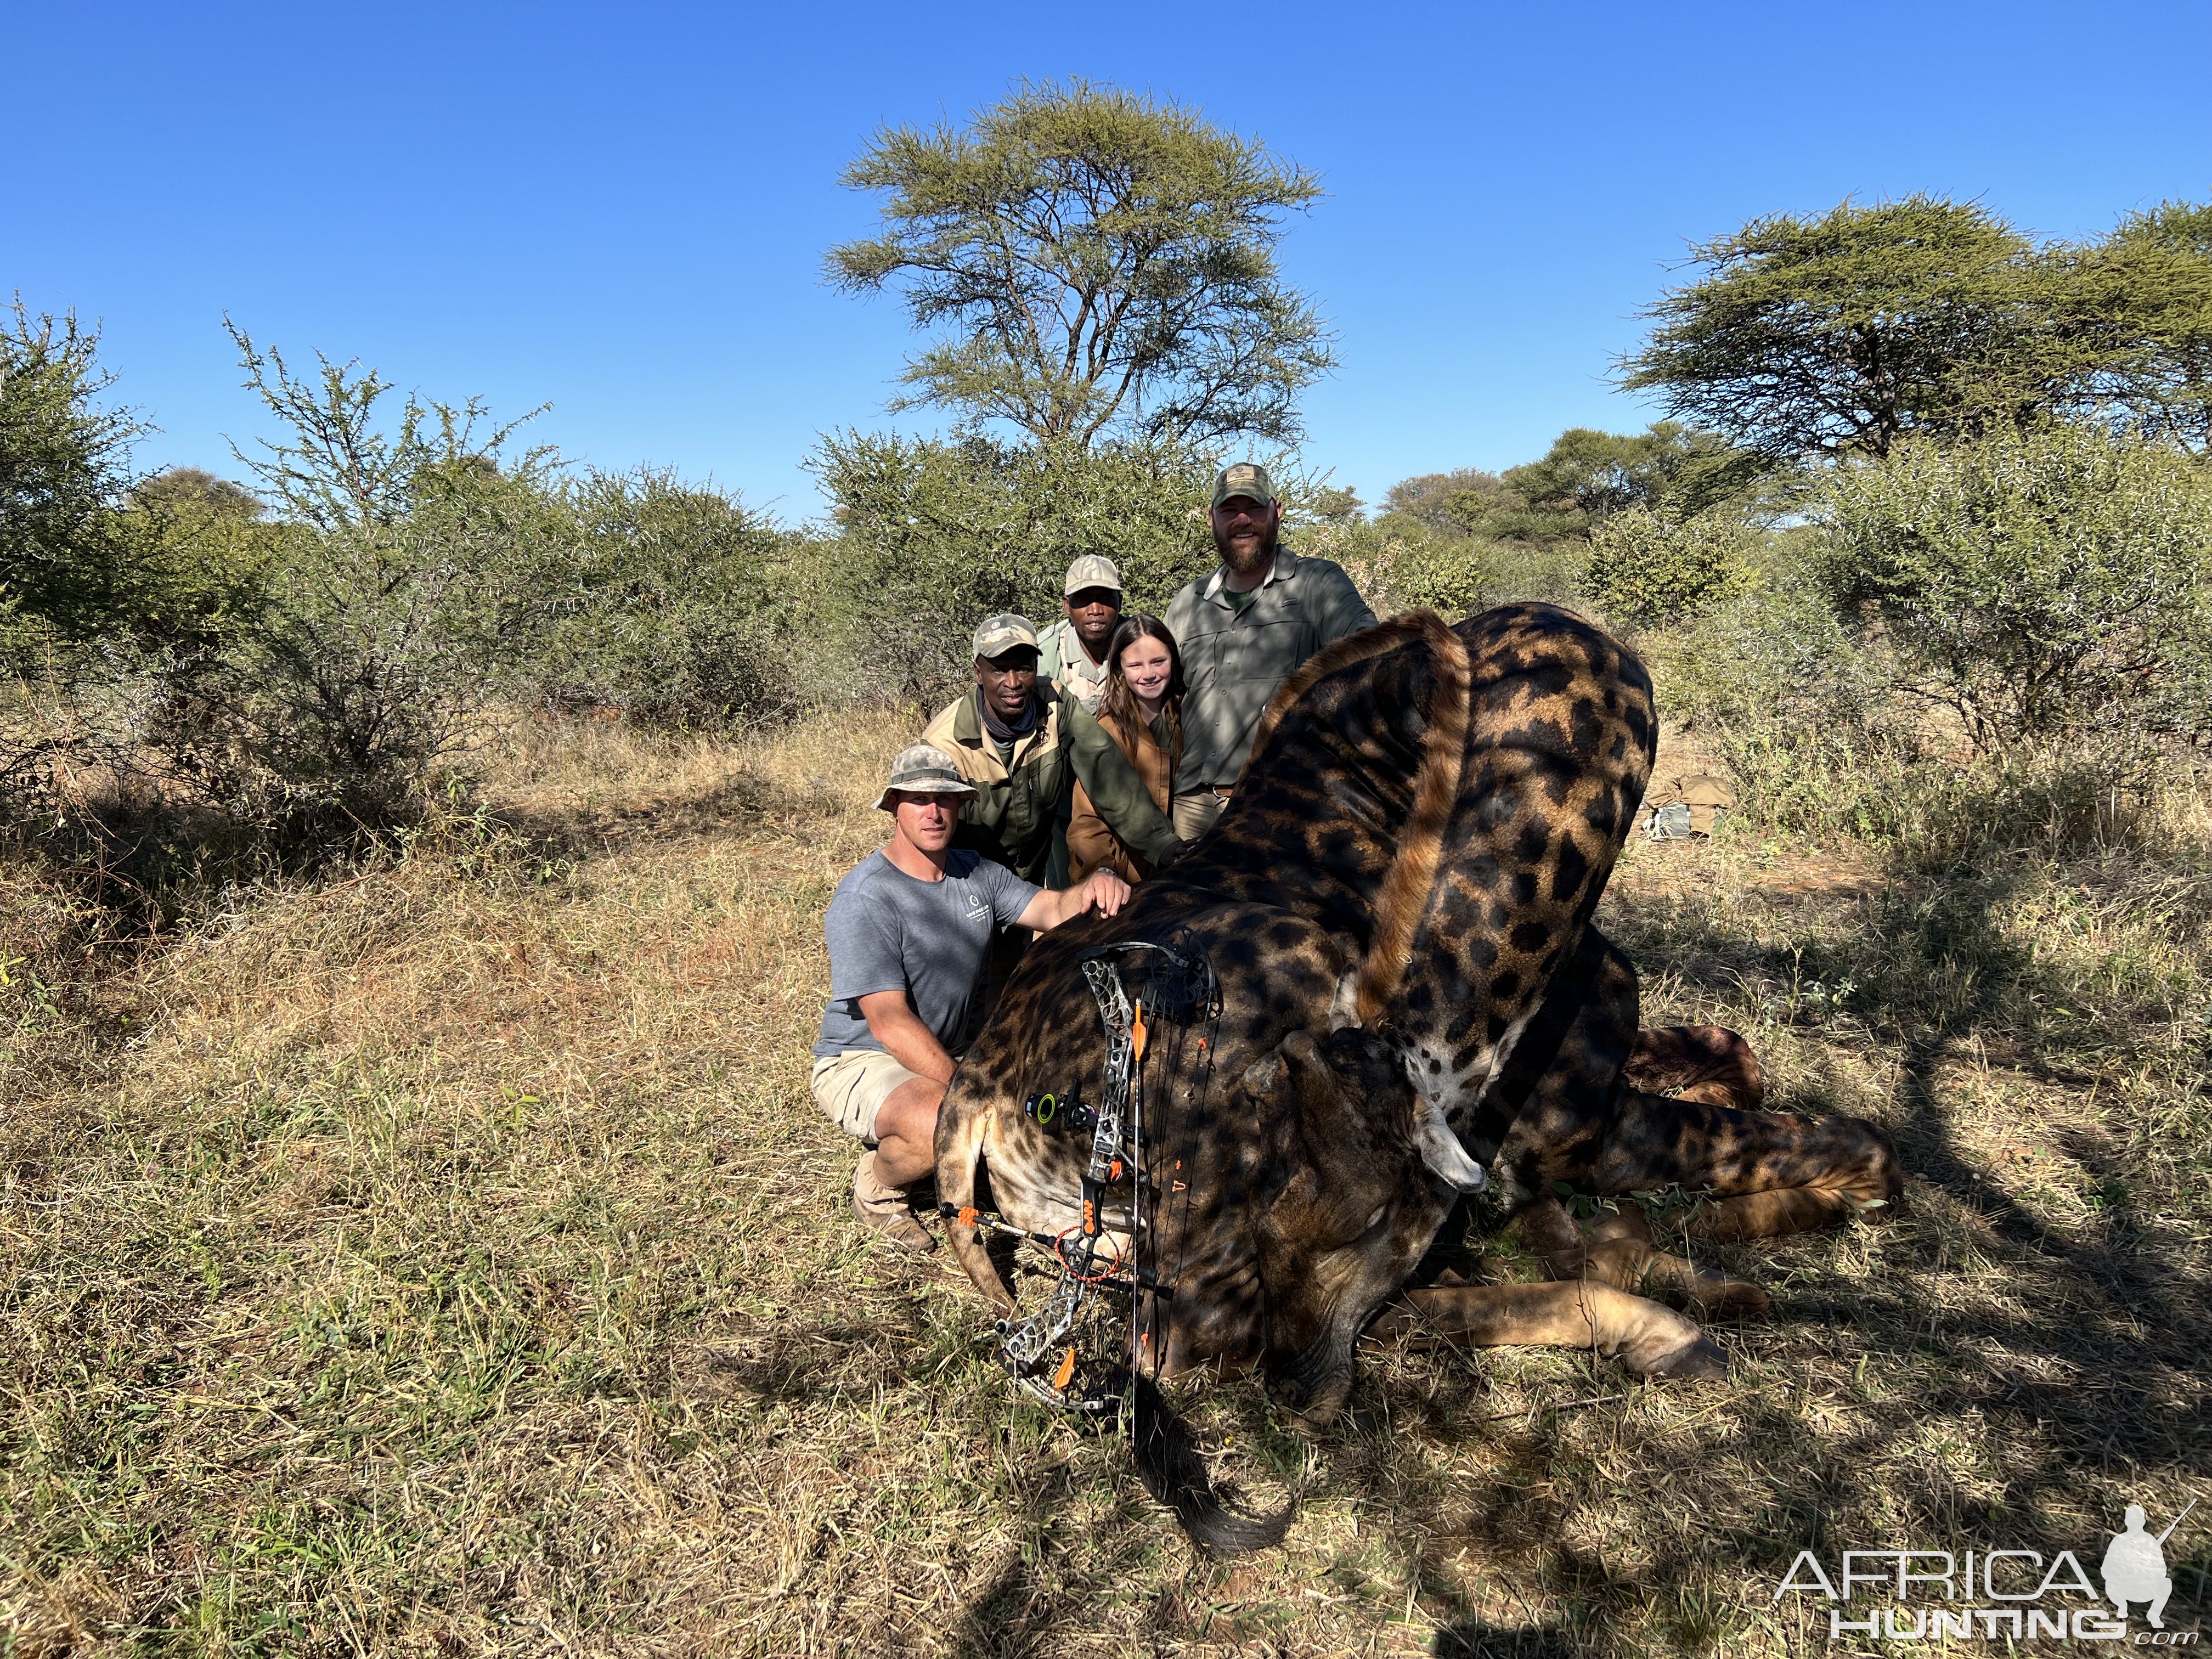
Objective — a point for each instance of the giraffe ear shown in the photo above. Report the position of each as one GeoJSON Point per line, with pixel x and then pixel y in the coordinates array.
{"type": "Point", "coordinates": [1333, 1170]}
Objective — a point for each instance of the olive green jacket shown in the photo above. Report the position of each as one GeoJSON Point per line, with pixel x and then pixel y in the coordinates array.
{"type": "Point", "coordinates": [1009, 818]}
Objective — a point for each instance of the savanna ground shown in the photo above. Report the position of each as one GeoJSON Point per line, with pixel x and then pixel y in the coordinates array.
{"type": "Point", "coordinates": [446, 1257]}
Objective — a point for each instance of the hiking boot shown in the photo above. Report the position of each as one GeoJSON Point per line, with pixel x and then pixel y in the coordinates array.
{"type": "Point", "coordinates": [888, 1210]}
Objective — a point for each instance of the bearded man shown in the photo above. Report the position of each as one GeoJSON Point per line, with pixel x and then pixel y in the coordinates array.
{"type": "Point", "coordinates": [1242, 631]}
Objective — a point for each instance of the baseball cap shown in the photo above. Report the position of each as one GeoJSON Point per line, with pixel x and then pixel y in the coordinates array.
{"type": "Point", "coordinates": [923, 769]}
{"type": "Point", "coordinates": [1091, 570]}
{"type": "Point", "coordinates": [1003, 633]}
{"type": "Point", "coordinates": [1246, 478]}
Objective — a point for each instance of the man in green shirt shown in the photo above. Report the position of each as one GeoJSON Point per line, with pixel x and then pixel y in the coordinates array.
{"type": "Point", "coordinates": [1023, 746]}
{"type": "Point", "coordinates": [1242, 631]}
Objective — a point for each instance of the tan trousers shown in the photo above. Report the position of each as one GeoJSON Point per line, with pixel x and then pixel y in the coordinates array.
{"type": "Point", "coordinates": [1196, 813]}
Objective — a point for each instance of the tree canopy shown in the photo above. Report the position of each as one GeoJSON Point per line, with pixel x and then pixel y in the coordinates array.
{"type": "Point", "coordinates": [1845, 333]}
{"type": "Point", "coordinates": [1810, 337]}
{"type": "Point", "coordinates": [1095, 262]}
{"type": "Point", "coordinates": [2147, 290]}
{"type": "Point", "coordinates": [1593, 475]}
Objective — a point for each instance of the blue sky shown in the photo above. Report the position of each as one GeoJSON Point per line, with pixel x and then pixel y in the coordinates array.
{"type": "Point", "coordinates": [622, 210]}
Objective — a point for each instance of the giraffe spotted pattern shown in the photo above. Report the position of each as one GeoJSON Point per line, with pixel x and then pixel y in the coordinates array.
{"type": "Point", "coordinates": [1398, 895]}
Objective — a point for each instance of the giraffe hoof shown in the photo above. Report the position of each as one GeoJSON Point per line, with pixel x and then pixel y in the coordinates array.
{"type": "Point", "coordinates": [1698, 1360]}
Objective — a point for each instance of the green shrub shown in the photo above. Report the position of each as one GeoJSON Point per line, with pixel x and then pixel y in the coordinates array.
{"type": "Point", "coordinates": [2041, 585]}
{"type": "Point", "coordinates": [1645, 567]}
{"type": "Point", "coordinates": [63, 470]}
{"type": "Point", "coordinates": [1778, 684]}
{"type": "Point", "coordinates": [1515, 571]}
{"type": "Point", "coordinates": [371, 661]}
{"type": "Point", "coordinates": [672, 602]}
{"type": "Point", "coordinates": [419, 578]}
{"type": "Point", "coordinates": [1807, 717]}
{"type": "Point", "coordinates": [1403, 567]}
{"type": "Point", "coordinates": [936, 535]}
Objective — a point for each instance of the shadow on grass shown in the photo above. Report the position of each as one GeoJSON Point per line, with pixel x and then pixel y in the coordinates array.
{"type": "Point", "coordinates": [797, 1361]}
{"type": "Point", "coordinates": [1939, 982]}
{"type": "Point", "coordinates": [742, 806]}
{"type": "Point", "coordinates": [2076, 1376]}
{"type": "Point", "coordinates": [1472, 1640]}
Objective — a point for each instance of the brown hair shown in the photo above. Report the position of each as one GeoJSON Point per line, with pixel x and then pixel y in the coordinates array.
{"type": "Point", "coordinates": [1120, 702]}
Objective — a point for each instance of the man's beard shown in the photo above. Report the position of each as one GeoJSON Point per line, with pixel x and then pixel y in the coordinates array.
{"type": "Point", "coordinates": [1261, 556]}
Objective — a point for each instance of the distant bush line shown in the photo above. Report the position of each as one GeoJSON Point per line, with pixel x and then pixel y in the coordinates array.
{"type": "Point", "coordinates": [296, 668]}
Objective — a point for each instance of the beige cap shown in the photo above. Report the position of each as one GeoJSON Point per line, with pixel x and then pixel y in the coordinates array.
{"type": "Point", "coordinates": [923, 769]}
{"type": "Point", "coordinates": [1246, 478]}
{"type": "Point", "coordinates": [1091, 570]}
{"type": "Point", "coordinates": [1001, 634]}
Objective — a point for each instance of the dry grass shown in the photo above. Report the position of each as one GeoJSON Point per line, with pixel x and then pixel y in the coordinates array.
{"type": "Point", "coordinates": [449, 1259]}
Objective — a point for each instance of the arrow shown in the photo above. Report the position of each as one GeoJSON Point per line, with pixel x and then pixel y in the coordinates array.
{"type": "Point", "coordinates": [2176, 1521]}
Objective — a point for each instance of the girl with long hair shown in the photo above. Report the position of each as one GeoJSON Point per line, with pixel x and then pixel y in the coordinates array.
{"type": "Point", "coordinates": [1141, 709]}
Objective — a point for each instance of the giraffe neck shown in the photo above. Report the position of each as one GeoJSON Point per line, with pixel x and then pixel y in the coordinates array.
{"type": "Point", "coordinates": [1559, 743]}
{"type": "Point", "coordinates": [1321, 821]}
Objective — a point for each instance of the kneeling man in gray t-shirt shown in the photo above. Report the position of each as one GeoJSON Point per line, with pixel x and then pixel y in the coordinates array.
{"type": "Point", "coordinates": [910, 934]}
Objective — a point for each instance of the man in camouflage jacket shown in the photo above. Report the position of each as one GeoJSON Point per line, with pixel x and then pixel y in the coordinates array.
{"type": "Point", "coordinates": [1022, 746]}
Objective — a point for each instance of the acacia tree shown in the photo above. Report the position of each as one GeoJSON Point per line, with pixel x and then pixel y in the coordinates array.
{"type": "Point", "coordinates": [1099, 265]}
{"type": "Point", "coordinates": [2145, 294]}
{"type": "Point", "coordinates": [1585, 478]}
{"type": "Point", "coordinates": [1844, 333]}
{"type": "Point", "coordinates": [1590, 476]}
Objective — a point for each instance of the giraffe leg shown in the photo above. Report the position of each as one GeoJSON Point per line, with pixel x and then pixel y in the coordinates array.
{"type": "Point", "coordinates": [1618, 1249]}
{"type": "Point", "coordinates": [1768, 1174]}
{"type": "Point", "coordinates": [1650, 1339]}
{"type": "Point", "coordinates": [1707, 1063]}
{"type": "Point", "coordinates": [1791, 1209]}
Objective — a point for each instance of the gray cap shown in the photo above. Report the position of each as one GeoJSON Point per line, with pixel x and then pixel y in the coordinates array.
{"type": "Point", "coordinates": [1091, 570]}
{"type": "Point", "coordinates": [923, 769]}
{"type": "Point", "coordinates": [1001, 634]}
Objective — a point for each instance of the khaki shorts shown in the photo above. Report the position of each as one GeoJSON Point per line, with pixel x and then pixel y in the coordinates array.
{"type": "Point", "coordinates": [851, 1088]}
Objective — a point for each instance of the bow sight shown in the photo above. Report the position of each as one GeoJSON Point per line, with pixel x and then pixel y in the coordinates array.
{"type": "Point", "coordinates": [1063, 1116]}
